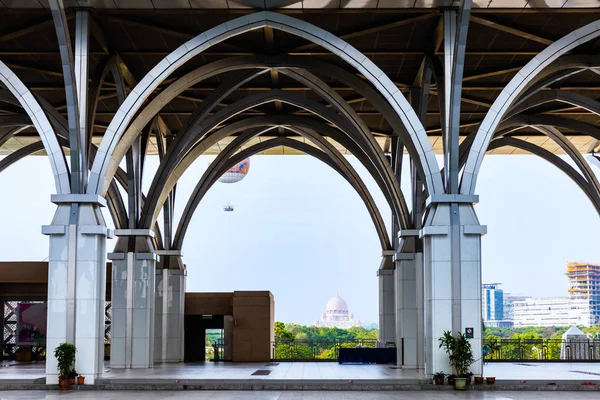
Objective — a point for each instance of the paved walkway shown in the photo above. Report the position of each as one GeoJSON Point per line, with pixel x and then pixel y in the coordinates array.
{"type": "Point", "coordinates": [263, 395]}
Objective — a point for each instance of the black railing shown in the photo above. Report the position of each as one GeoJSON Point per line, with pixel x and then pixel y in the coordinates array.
{"type": "Point", "coordinates": [314, 350]}
{"type": "Point", "coordinates": [541, 350]}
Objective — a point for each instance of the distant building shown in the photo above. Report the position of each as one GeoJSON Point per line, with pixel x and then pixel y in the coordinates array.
{"type": "Point", "coordinates": [581, 307]}
{"type": "Point", "coordinates": [336, 315]}
{"type": "Point", "coordinates": [584, 289]}
{"type": "Point", "coordinates": [553, 311]}
{"type": "Point", "coordinates": [492, 306]}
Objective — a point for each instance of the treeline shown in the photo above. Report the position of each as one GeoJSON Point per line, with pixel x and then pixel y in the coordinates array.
{"type": "Point", "coordinates": [314, 333]}
{"type": "Point", "coordinates": [535, 332]}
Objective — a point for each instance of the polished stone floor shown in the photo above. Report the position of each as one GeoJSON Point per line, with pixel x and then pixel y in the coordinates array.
{"type": "Point", "coordinates": [306, 395]}
{"type": "Point", "coordinates": [315, 371]}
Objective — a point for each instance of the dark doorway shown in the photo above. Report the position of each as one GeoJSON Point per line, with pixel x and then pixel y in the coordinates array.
{"type": "Point", "coordinates": [195, 335]}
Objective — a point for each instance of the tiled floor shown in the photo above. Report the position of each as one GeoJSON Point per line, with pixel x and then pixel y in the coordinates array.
{"type": "Point", "coordinates": [317, 371]}
{"type": "Point", "coordinates": [263, 395]}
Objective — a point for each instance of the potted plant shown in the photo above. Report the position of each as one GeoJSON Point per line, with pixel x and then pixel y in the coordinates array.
{"type": "Point", "coordinates": [478, 380]}
{"type": "Point", "coordinates": [451, 379]}
{"type": "Point", "coordinates": [438, 378]}
{"type": "Point", "coordinates": [80, 379]}
{"type": "Point", "coordinates": [490, 380]}
{"type": "Point", "coordinates": [71, 377]}
{"type": "Point", "coordinates": [460, 353]}
{"type": "Point", "coordinates": [65, 356]}
{"type": "Point", "coordinates": [468, 376]}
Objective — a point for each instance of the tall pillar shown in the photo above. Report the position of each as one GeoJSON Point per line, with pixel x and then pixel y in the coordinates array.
{"type": "Point", "coordinates": [77, 283]}
{"type": "Point", "coordinates": [387, 300]}
{"type": "Point", "coordinates": [169, 310]}
{"type": "Point", "coordinates": [133, 274]}
{"type": "Point", "coordinates": [452, 265]}
{"type": "Point", "coordinates": [409, 304]}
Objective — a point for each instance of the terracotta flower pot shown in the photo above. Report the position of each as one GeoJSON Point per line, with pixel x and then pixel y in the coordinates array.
{"type": "Point", "coordinates": [438, 381]}
{"type": "Point", "coordinates": [478, 380]}
{"type": "Point", "coordinates": [451, 380]}
{"type": "Point", "coordinates": [490, 380]}
{"type": "Point", "coordinates": [468, 380]}
{"type": "Point", "coordinates": [71, 381]}
{"type": "Point", "coordinates": [80, 380]}
{"type": "Point", "coordinates": [63, 384]}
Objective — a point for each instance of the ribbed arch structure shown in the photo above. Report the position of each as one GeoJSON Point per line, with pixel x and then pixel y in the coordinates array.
{"type": "Point", "coordinates": [571, 172]}
{"type": "Point", "coordinates": [511, 93]}
{"type": "Point", "coordinates": [104, 165]}
{"type": "Point", "coordinates": [324, 152]}
{"type": "Point", "coordinates": [42, 125]}
{"type": "Point", "coordinates": [171, 167]}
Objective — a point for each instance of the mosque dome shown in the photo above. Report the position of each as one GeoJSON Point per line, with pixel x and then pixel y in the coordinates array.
{"type": "Point", "coordinates": [336, 304]}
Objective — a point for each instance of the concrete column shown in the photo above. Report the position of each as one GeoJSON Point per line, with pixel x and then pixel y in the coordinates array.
{"type": "Point", "coordinates": [169, 315]}
{"type": "Point", "coordinates": [133, 274]}
{"type": "Point", "coordinates": [387, 300]}
{"type": "Point", "coordinates": [76, 283]}
{"type": "Point", "coordinates": [452, 266]}
{"type": "Point", "coordinates": [409, 310]}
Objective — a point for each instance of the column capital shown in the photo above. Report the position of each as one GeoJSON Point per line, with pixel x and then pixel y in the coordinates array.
{"type": "Point", "coordinates": [94, 199]}
{"type": "Point", "coordinates": [381, 272]}
{"type": "Point", "coordinates": [474, 230]}
{"type": "Point", "coordinates": [408, 233]}
{"type": "Point", "coordinates": [169, 253]}
{"type": "Point", "coordinates": [134, 232]}
{"type": "Point", "coordinates": [452, 198]}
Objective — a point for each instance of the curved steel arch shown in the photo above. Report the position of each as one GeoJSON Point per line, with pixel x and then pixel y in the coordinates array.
{"type": "Point", "coordinates": [187, 142]}
{"type": "Point", "coordinates": [558, 70]}
{"type": "Point", "coordinates": [511, 92]}
{"type": "Point", "coordinates": [555, 160]}
{"type": "Point", "coordinates": [262, 62]}
{"type": "Point", "coordinates": [568, 147]}
{"type": "Point", "coordinates": [213, 174]}
{"type": "Point", "coordinates": [10, 132]}
{"type": "Point", "coordinates": [114, 200]}
{"type": "Point", "coordinates": [146, 86]}
{"type": "Point", "coordinates": [330, 155]}
{"type": "Point", "coordinates": [43, 127]}
{"type": "Point", "coordinates": [562, 96]}
{"type": "Point", "coordinates": [550, 120]}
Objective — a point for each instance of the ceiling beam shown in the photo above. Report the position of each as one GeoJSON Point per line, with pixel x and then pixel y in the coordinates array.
{"type": "Point", "coordinates": [29, 29]}
{"type": "Point", "coordinates": [375, 29]}
{"type": "Point", "coordinates": [511, 30]}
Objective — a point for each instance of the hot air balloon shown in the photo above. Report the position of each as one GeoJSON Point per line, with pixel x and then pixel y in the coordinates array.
{"type": "Point", "coordinates": [234, 175]}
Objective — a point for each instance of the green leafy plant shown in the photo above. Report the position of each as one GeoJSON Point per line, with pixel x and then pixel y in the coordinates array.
{"type": "Point", "coordinates": [459, 351]}
{"type": "Point", "coordinates": [439, 375]}
{"type": "Point", "coordinates": [65, 355]}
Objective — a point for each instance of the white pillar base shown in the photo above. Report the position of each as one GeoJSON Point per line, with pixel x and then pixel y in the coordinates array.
{"type": "Point", "coordinates": [169, 317]}
{"type": "Point", "coordinates": [77, 285]}
{"type": "Point", "coordinates": [409, 311]}
{"type": "Point", "coordinates": [387, 301]}
{"type": "Point", "coordinates": [440, 306]}
{"type": "Point", "coordinates": [132, 334]}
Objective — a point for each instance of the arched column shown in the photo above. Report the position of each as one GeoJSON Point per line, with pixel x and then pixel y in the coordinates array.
{"type": "Point", "coordinates": [329, 155]}
{"type": "Point", "coordinates": [511, 93]}
{"type": "Point", "coordinates": [102, 170]}
{"type": "Point", "coordinates": [167, 173]}
{"type": "Point", "coordinates": [558, 162]}
{"type": "Point", "coordinates": [42, 125]}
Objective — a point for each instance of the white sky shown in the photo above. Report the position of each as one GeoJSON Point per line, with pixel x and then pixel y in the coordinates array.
{"type": "Point", "coordinates": [300, 231]}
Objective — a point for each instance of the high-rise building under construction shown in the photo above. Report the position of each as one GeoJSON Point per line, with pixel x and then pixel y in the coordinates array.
{"type": "Point", "coordinates": [584, 288]}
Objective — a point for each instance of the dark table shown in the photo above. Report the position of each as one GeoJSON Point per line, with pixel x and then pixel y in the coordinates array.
{"type": "Point", "coordinates": [366, 355]}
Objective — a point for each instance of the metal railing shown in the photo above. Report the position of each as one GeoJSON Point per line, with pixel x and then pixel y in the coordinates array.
{"type": "Point", "coordinates": [314, 350]}
{"type": "Point", "coordinates": [541, 350]}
